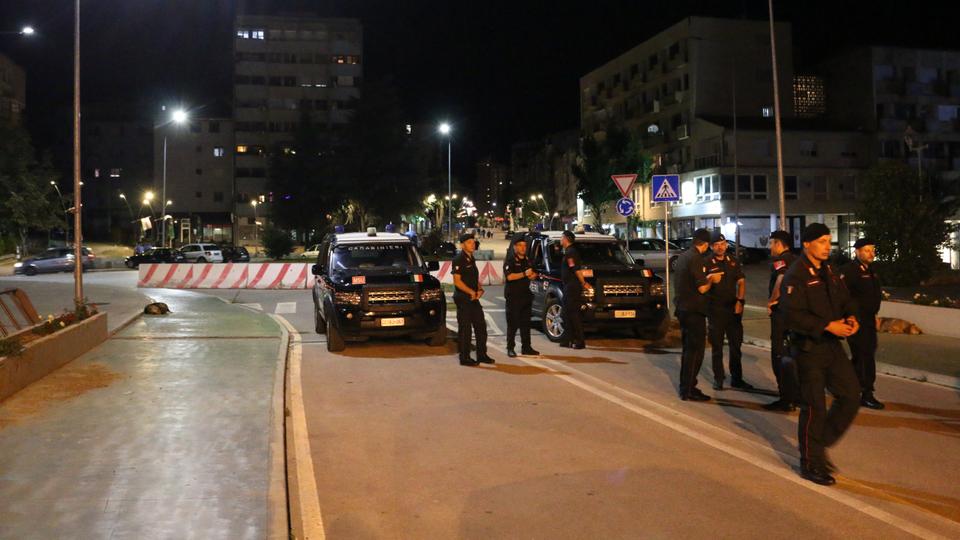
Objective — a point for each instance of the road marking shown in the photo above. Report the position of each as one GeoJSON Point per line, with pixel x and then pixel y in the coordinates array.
{"type": "Point", "coordinates": [486, 303]}
{"type": "Point", "coordinates": [500, 298]}
{"type": "Point", "coordinates": [786, 474]}
{"type": "Point", "coordinates": [285, 307]}
{"type": "Point", "coordinates": [257, 307]}
{"type": "Point", "coordinates": [309, 498]}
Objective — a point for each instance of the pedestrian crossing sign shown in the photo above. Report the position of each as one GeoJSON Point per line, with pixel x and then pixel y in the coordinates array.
{"type": "Point", "coordinates": [666, 188]}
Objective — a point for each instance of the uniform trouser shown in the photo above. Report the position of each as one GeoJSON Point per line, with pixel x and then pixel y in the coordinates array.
{"type": "Point", "coordinates": [825, 367]}
{"type": "Point", "coordinates": [572, 318]}
{"type": "Point", "coordinates": [693, 333]}
{"type": "Point", "coordinates": [470, 314]}
{"type": "Point", "coordinates": [519, 312]}
{"type": "Point", "coordinates": [863, 347]}
{"type": "Point", "coordinates": [727, 324]}
{"type": "Point", "coordinates": [778, 336]}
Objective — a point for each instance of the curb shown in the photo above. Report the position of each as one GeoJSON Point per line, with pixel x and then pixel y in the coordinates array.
{"type": "Point", "coordinates": [887, 369]}
{"type": "Point", "coordinates": [278, 513]}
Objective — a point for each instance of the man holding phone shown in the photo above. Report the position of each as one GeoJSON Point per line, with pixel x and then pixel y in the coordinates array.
{"type": "Point", "coordinates": [518, 272]}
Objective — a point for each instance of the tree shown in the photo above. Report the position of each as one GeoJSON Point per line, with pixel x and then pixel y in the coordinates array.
{"type": "Point", "coordinates": [26, 203]}
{"type": "Point", "coordinates": [277, 243]}
{"type": "Point", "coordinates": [618, 153]}
{"type": "Point", "coordinates": [905, 215]}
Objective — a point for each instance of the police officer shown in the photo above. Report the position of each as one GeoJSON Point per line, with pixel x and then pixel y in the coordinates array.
{"type": "Point", "coordinates": [725, 312]}
{"type": "Point", "coordinates": [573, 287]}
{"type": "Point", "coordinates": [780, 245]}
{"type": "Point", "coordinates": [692, 285]}
{"type": "Point", "coordinates": [467, 293]}
{"type": "Point", "coordinates": [518, 273]}
{"type": "Point", "coordinates": [864, 286]}
{"type": "Point", "coordinates": [819, 313]}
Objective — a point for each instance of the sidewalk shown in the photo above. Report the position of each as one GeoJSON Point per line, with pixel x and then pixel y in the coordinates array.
{"type": "Point", "coordinates": [168, 430]}
{"type": "Point", "coordinates": [928, 358]}
{"type": "Point", "coordinates": [51, 298]}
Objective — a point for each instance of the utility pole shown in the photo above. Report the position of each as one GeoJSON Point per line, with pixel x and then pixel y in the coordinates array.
{"type": "Point", "coordinates": [776, 115]}
{"type": "Point", "coordinates": [77, 200]}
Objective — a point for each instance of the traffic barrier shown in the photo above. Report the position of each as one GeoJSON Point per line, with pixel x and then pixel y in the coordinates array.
{"type": "Point", "coordinates": [490, 272]}
{"type": "Point", "coordinates": [277, 276]}
{"type": "Point", "coordinates": [165, 276]}
{"type": "Point", "coordinates": [221, 276]}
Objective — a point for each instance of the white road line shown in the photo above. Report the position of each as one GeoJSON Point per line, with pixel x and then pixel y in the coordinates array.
{"type": "Point", "coordinates": [492, 327]}
{"type": "Point", "coordinates": [257, 307]}
{"type": "Point", "coordinates": [486, 303]}
{"type": "Point", "coordinates": [502, 299]}
{"type": "Point", "coordinates": [778, 470]}
{"type": "Point", "coordinates": [285, 307]}
{"type": "Point", "coordinates": [309, 499]}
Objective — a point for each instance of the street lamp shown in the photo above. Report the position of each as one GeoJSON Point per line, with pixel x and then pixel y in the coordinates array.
{"type": "Point", "coordinates": [256, 225]}
{"type": "Point", "coordinates": [178, 117]}
{"type": "Point", "coordinates": [66, 217]}
{"type": "Point", "coordinates": [444, 130]}
{"type": "Point", "coordinates": [25, 31]}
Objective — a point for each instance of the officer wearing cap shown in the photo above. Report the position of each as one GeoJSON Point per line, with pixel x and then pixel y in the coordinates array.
{"type": "Point", "coordinates": [725, 312]}
{"type": "Point", "coordinates": [780, 245]}
{"type": "Point", "coordinates": [574, 284]}
{"type": "Point", "coordinates": [467, 293]}
{"type": "Point", "coordinates": [518, 272]}
{"type": "Point", "coordinates": [692, 285]}
{"type": "Point", "coordinates": [819, 313]}
{"type": "Point", "coordinates": [864, 285]}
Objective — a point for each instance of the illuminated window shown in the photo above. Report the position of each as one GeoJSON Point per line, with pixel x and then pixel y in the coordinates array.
{"type": "Point", "coordinates": [243, 34]}
{"type": "Point", "coordinates": [257, 34]}
{"type": "Point", "coordinates": [808, 96]}
{"type": "Point", "coordinates": [218, 151]}
{"type": "Point", "coordinates": [242, 148]}
{"type": "Point", "coordinates": [115, 173]}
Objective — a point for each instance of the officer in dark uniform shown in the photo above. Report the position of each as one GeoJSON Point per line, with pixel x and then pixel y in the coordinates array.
{"type": "Point", "coordinates": [467, 293]}
{"type": "Point", "coordinates": [692, 285]}
{"type": "Point", "coordinates": [573, 287]}
{"type": "Point", "coordinates": [780, 245]}
{"type": "Point", "coordinates": [725, 312]}
{"type": "Point", "coordinates": [517, 272]}
{"type": "Point", "coordinates": [819, 314]}
{"type": "Point", "coordinates": [864, 286]}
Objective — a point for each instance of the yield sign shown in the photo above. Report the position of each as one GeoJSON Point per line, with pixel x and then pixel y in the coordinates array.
{"type": "Point", "coordinates": [624, 183]}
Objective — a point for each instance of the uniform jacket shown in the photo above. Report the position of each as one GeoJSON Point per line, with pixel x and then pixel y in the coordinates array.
{"type": "Point", "coordinates": [691, 272]}
{"type": "Point", "coordinates": [811, 299]}
{"type": "Point", "coordinates": [865, 287]}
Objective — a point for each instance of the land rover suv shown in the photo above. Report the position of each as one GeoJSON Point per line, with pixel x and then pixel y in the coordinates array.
{"type": "Point", "coordinates": [376, 284]}
{"type": "Point", "coordinates": [625, 294]}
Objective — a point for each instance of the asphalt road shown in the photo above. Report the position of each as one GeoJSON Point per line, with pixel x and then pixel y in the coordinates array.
{"type": "Point", "coordinates": [407, 443]}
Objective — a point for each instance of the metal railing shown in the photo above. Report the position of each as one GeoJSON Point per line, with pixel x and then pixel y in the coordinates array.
{"type": "Point", "coordinates": [16, 312]}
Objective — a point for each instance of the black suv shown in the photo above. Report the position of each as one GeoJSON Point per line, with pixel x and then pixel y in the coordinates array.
{"type": "Point", "coordinates": [625, 295]}
{"type": "Point", "coordinates": [376, 284]}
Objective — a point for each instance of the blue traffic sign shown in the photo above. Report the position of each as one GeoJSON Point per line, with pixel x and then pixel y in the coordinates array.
{"type": "Point", "coordinates": [666, 188]}
{"type": "Point", "coordinates": [625, 207]}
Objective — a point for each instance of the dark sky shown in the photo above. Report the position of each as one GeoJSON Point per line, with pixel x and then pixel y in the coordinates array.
{"type": "Point", "coordinates": [500, 71]}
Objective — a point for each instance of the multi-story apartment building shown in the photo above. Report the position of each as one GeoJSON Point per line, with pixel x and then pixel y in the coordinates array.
{"type": "Point", "coordinates": [545, 165]}
{"type": "Point", "coordinates": [492, 179]}
{"type": "Point", "coordinates": [286, 67]}
{"type": "Point", "coordinates": [13, 91]}
{"type": "Point", "coordinates": [199, 179]}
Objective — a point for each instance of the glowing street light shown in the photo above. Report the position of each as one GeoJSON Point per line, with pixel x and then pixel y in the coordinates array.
{"type": "Point", "coordinates": [445, 130]}
{"type": "Point", "coordinates": [178, 117]}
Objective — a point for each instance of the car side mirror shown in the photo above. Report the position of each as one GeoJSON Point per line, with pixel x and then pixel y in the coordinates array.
{"type": "Point", "coordinates": [317, 270]}
{"type": "Point", "coordinates": [433, 266]}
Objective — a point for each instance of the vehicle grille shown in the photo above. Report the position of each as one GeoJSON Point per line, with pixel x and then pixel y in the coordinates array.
{"type": "Point", "coordinates": [623, 290]}
{"type": "Point", "coordinates": [390, 296]}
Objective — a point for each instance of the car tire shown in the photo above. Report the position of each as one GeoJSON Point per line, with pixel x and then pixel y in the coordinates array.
{"type": "Point", "coordinates": [318, 324]}
{"type": "Point", "coordinates": [201, 260]}
{"type": "Point", "coordinates": [553, 326]}
{"type": "Point", "coordinates": [438, 338]}
{"type": "Point", "coordinates": [129, 264]}
{"type": "Point", "coordinates": [335, 341]}
{"type": "Point", "coordinates": [30, 270]}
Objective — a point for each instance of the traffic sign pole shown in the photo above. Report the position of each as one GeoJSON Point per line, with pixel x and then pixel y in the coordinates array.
{"type": "Point", "coordinates": [666, 243]}
{"type": "Point", "coordinates": [666, 189]}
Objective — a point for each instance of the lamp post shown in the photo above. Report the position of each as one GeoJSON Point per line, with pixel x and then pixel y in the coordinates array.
{"type": "Point", "coordinates": [25, 31]}
{"type": "Point", "coordinates": [776, 115]}
{"type": "Point", "coordinates": [178, 117]}
{"type": "Point", "coordinates": [445, 131]}
{"type": "Point", "coordinates": [77, 201]}
{"type": "Point", "coordinates": [256, 225]}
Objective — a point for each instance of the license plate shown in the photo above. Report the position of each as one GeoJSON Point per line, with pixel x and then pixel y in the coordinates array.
{"type": "Point", "coordinates": [625, 314]}
{"type": "Point", "coordinates": [392, 322]}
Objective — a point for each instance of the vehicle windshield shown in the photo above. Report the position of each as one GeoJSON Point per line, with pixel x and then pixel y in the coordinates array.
{"type": "Point", "coordinates": [594, 253]}
{"type": "Point", "coordinates": [374, 256]}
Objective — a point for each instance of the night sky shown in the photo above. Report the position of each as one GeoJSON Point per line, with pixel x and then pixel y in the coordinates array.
{"type": "Point", "coordinates": [500, 71]}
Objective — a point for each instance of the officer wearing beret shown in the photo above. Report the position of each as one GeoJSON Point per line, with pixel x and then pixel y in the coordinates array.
{"type": "Point", "coordinates": [574, 284]}
{"type": "Point", "coordinates": [864, 285]}
{"type": "Point", "coordinates": [518, 272]}
{"type": "Point", "coordinates": [692, 285]}
{"type": "Point", "coordinates": [467, 293]}
{"type": "Point", "coordinates": [819, 314]}
{"type": "Point", "coordinates": [781, 258]}
{"type": "Point", "coordinates": [725, 312]}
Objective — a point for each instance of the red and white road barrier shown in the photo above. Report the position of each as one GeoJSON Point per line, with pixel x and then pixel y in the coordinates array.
{"type": "Point", "coordinates": [268, 275]}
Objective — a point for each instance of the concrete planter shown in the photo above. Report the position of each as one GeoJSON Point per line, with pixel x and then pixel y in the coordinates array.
{"type": "Point", "coordinates": [47, 354]}
{"type": "Point", "coordinates": [937, 321]}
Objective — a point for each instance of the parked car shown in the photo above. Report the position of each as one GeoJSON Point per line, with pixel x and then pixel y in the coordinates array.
{"type": "Point", "coordinates": [202, 253]}
{"type": "Point", "coordinates": [625, 295]}
{"type": "Point", "coordinates": [376, 284]}
{"type": "Point", "coordinates": [311, 252]}
{"type": "Point", "coordinates": [746, 255]}
{"type": "Point", "coordinates": [53, 260]}
{"type": "Point", "coordinates": [155, 255]}
{"type": "Point", "coordinates": [652, 252]}
{"type": "Point", "coordinates": [445, 251]}
{"type": "Point", "coordinates": [235, 254]}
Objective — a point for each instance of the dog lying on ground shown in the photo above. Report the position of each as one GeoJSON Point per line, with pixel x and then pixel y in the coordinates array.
{"type": "Point", "coordinates": [156, 308]}
{"type": "Point", "coordinates": [889, 325]}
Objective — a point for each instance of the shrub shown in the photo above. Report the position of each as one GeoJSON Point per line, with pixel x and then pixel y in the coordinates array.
{"type": "Point", "coordinates": [277, 243]}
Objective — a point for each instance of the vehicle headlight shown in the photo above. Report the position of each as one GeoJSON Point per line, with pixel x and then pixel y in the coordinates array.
{"type": "Point", "coordinates": [17, 265]}
{"type": "Point", "coordinates": [657, 289]}
{"type": "Point", "coordinates": [351, 298]}
{"type": "Point", "coordinates": [431, 295]}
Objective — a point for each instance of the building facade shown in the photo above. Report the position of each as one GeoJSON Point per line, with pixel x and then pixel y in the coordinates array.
{"type": "Point", "coordinates": [286, 68]}
{"type": "Point", "coordinates": [492, 180]}
{"type": "Point", "coordinates": [13, 91]}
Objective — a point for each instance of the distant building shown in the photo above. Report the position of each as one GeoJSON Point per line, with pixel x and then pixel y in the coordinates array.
{"type": "Point", "coordinates": [284, 68]}
{"type": "Point", "coordinates": [492, 179]}
{"type": "Point", "coordinates": [13, 91]}
{"type": "Point", "coordinates": [545, 166]}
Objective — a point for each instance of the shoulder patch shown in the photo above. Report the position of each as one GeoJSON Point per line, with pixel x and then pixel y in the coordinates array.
{"type": "Point", "coordinates": [777, 265]}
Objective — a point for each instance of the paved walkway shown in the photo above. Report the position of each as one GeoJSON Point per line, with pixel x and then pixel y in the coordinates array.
{"type": "Point", "coordinates": [164, 431]}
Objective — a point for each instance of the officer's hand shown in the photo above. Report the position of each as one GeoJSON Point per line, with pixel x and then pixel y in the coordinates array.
{"type": "Point", "coordinates": [715, 278]}
{"type": "Point", "coordinates": [479, 293]}
{"type": "Point", "coordinates": [739, 308]}
{"type": "Point", "coordinates": [530, 273]}
{"type": "Point", "coordinates": [853, 323]}
{"type": "Point", "coordinates": [878, 323]}
{"type": "Point", "coordinates": [588, 286]}
{"type": "Point", "coordinates": [770, 307]}
{"type": "Point", "coordinates": [840, 328]}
